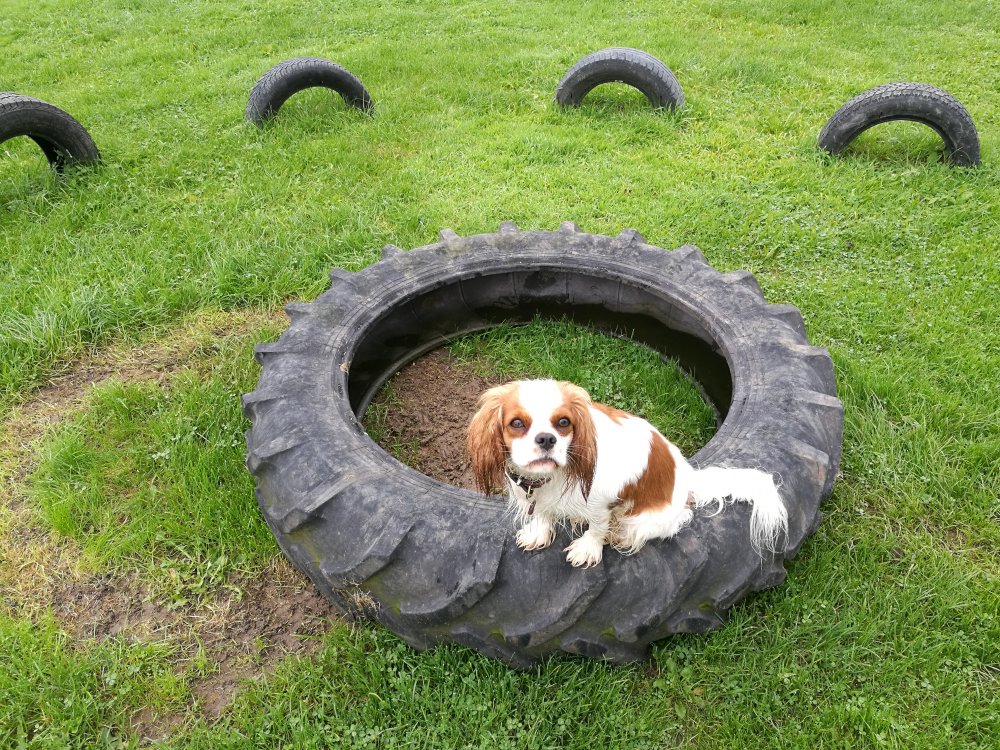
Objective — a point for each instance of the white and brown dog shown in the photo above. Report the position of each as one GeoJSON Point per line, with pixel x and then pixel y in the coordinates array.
{"type": "Point", "coordinates": [563, 457]}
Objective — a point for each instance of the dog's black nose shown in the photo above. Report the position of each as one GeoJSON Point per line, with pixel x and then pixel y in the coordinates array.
{"type": "Point", "coordinates": [545, 440]}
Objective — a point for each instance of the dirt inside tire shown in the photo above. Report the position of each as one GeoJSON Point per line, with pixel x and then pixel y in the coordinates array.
{"type": "Point", "coordinates": [421, 414]}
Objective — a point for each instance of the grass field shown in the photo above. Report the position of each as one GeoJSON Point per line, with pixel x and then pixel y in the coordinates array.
{"type": "Point", "coordinates": [196, 227]}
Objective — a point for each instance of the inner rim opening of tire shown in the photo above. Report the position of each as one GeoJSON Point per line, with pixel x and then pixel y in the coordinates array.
{"type": "Point", "coordinates": [433, 317]}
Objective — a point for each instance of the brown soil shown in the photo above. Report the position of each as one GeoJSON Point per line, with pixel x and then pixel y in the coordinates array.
{"type": "Point", "coordinates": [239, 632]}
{"type": "Point", "coordinates": [424, 413]}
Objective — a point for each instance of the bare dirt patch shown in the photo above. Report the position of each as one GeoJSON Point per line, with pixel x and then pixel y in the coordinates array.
{"type": "Point", "coordinates": [422, 416]}
{"type": "Point", "coordinates": [239, 632]}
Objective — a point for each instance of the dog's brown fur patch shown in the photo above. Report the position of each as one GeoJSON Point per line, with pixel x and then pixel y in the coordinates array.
{"type": "Point", "coordinates": [583, 448]}
{"type": "Point", "coordinates": [655, 488]}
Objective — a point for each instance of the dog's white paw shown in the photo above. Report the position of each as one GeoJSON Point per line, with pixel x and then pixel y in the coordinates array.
{"type": "Point", "coordinates": [585, 551]}
{"type": "Point", "coordinates": [536, 534]}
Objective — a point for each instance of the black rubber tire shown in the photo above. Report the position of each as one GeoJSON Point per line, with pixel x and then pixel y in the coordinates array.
{"type": "Point", "coordinates": [919, 102]}
{"type": "Point", "coordinates": [62, 139]}
{"type": "Point", "coordinates": [621, 65]}
{"type": "Point", "coordinates": [292, 76]}
{"type": "Point", "coordinates": [436, 563]}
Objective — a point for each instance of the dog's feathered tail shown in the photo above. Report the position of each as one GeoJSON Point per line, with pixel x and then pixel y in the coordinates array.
{"type": "Point", "coordinates": [768, 517]}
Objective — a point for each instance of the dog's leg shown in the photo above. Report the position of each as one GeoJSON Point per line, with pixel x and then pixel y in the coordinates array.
{"type": "Point", "coordinates": [537, 533]}
{"type": "Point", "coordinates": [588, 549]}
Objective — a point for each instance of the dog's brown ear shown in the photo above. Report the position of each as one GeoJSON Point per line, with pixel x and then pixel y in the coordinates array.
{"type": "Point", "coordinates": [485, 440]}
{"type": "Point", "coordinates": [583, 449]}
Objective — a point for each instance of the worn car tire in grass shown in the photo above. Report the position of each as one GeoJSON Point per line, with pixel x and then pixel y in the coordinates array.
{"type": "Point", "coordinates": [292, 76]}
{"type": "Point", "coordinates": [919, 102]}
{"type": "Point", "coordinates": [621, 65]}
{"type": "Point", "coordinates": [436, 563]}
{"type": "Point", "coordinates": [62, 139]}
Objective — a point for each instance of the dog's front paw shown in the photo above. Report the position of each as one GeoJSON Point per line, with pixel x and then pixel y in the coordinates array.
{"type": "Point", "coordinates": [536, 534]}
{"type": "Point", "coordinates": [585, 551]}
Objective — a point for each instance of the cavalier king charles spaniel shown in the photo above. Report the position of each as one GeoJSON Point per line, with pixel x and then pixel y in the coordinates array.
{"type": "Point", "coordinates": [563, 457]}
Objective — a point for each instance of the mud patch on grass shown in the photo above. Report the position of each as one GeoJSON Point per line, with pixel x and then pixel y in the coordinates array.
{"type": "Point", "coordinates": [32, 555]}
{"type": "Point", "coordinates": [421, 416]}
{"type": "Point", "coordinates": [238, 636]}
{"type": "Point", "coordinates": [970, 544]}
{"type": "Point", "coordinates": [236, 632]}
{"type": "Point", "coordinates": [278, 613]}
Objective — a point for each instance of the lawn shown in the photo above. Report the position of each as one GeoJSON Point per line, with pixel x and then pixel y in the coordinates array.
{"type": "Point", "coordinates": [154, 274]}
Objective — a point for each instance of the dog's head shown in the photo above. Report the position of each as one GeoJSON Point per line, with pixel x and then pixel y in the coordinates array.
{"type": "Point", "coordinates": [537, 428]}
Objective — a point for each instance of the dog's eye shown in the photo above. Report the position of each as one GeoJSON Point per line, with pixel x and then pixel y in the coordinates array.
{"type": "Point", "coordinates": [517, 424]}
{"type": "Point", "coordinates": [563, 423]}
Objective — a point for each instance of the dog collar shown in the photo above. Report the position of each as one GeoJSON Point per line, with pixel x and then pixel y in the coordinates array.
{"type": "Point", "coordinates": [528, 485]}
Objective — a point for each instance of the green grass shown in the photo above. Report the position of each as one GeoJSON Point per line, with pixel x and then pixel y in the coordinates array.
{"type": "Point", "coordinates": [367, 690]}
{"type": "Point", "coordinates": [884, 634]}
{"type": "Point", "coordinates": [55, 694]}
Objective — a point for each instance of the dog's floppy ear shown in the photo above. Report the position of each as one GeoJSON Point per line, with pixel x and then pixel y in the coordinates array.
{"type": "Point", "coordinates": [485, 440]}
{"type": "Point", "coordinates": [582, 456]}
